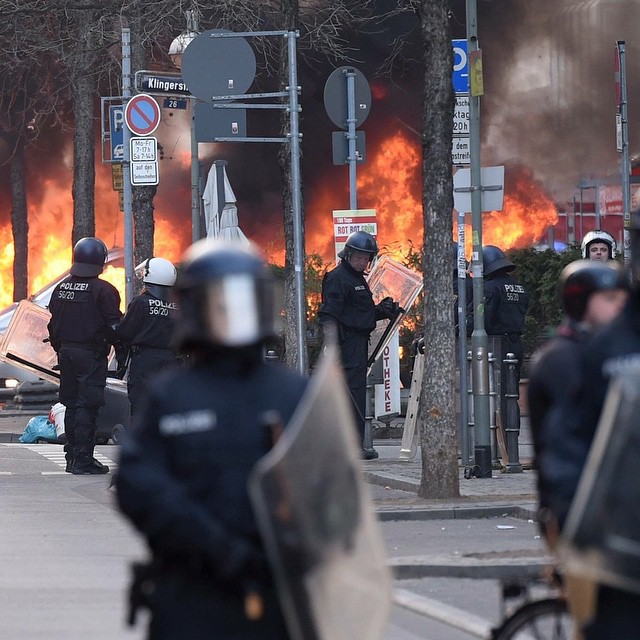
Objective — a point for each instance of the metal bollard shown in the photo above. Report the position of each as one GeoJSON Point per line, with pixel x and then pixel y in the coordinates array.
{"type": "Point", "coordinates": [470, 431]}
{"type": "Point", "coordinates": [512, 418]}
{"type": "Point", "coordinates": [367, 443]}
{"type": "Point", "coordinates": [495, 458]}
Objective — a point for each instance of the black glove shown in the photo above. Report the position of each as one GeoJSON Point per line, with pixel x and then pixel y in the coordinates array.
{"type": "Point", "coordinates": [387, 308]}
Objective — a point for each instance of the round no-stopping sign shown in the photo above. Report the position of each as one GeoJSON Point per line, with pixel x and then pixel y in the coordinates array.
{"type": "Point", "coordinates": [142, 114]}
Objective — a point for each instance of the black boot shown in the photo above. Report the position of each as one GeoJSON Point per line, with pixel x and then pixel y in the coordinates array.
{"type": "Point", "coordinates": [94, 467]}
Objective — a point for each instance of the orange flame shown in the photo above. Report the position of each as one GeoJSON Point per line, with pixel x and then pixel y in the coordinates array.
{"type": "Point", "coordinates": [389, 182]}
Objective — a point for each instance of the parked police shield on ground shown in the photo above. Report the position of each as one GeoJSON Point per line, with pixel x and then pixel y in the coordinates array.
{"type": "Point", "coordinates": [186, 459]}
{"type": "Point", "coordinates": [148, 325]}
{"type": "Point", "coordinates": [347, 304]}
{"type": "Point", "coordinates": [85, 311]}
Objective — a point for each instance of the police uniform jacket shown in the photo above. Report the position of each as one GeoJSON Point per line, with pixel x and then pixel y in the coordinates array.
{"type": "Point", "coordinates": [148, 322]}
{"type": "Point", "coordinates": [505, 305]}
{"type": "Point", "coordinates": [83, 312]}
{"type": "Point", "coordinates": [574, 422]}
{"type": "Point", "coordinates": [348, 301]}
{"type": "Point", "coordinates": [555, 376]}
{"type": "Point", "coordinates": [184, 467]}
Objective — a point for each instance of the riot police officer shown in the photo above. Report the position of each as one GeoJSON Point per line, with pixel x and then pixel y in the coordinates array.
{"type": "Point", "coordinates": [598, 245]}
{"type": "Point", "coordinates": [347, 304]}
{"type": "Point", "coordinates": [186, 459]}
{"type": "Point", "coordinates": [505, 307]}
{"type": "Point", "coordinates": [85, 310]}
{"type": "Point", "coordinates": [147, 326]}
{"type": "Point", "coordinates": [593, 294]}
{"type": "Point", "coordinates": [608, 352]}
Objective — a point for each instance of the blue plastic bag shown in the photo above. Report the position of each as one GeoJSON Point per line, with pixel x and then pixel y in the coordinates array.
{"type": "Point", "coordinates": [37, 428]}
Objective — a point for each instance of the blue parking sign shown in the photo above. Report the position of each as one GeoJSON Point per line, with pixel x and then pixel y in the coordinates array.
{"type": "Point", "coordinates": [460, 76]}
{"type": "Point", "coordinates": [116, 136]}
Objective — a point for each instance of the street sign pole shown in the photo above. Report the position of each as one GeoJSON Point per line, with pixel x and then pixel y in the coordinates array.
{"type": "Point", "coordinates": [127, 193]}
{"type": "Point", "coordinates": [296, 197]}
{"type": "Point", "coordinates": [351, 136]}
{"type": "Point", "coordinates": [626, 170]}
{"type": "Point", "coordinates": [479, 341]}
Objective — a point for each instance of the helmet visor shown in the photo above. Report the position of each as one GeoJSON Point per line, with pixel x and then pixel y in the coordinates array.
{"type": "Point", "coordinates": [239, 310]}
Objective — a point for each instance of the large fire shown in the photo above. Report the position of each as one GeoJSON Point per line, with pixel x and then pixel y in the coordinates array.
{"type": "Point", "coordinates": [389, 182]}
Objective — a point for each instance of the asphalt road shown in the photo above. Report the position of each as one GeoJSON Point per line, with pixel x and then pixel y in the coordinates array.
{"type": "Point", "coordinates": [65, 551]}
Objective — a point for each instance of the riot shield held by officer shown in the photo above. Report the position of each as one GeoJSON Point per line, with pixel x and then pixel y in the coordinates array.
{"type": "Point", "coordinates": [191, 447]}
{"type": "Point", "coordinates": [348, 306]}
{"type": "Point", "coordinates": [85, 311]}
{"type": "Point", "coordinates": [147, 327]}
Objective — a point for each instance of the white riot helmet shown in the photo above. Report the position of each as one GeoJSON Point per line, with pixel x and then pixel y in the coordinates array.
{"type": "Point", "coordinates": [157, 271]}
{"type": "Point", "coordinates": [158, 276]}
{"type": "Point", "coordinates": [598, 236]}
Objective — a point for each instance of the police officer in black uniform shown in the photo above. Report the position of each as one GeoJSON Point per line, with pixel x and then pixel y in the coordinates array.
{"type": "Point", "coordinates": [186, 459]}
{"type": "Point", "coordinates": [148, 325]}
{"type": "Point", "coordinates": [574, 424]}
{"type": "Point", "coordinates": [85, 311]}
{"type": "Point", "coordinates": [592, 294]}
{"type": "Point", "coordinates": [347, 304]}
{"type": "Point", "coordinates": [505, 307]}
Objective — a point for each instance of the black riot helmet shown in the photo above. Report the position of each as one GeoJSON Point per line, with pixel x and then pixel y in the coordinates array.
{"type": "Point", "coordinates": [360, 241]}
{"type": "Point", "coordinates": [493, 259]}
{"type": "Point", "coordinates": [89, 256]}
{"type": "Point", "coordinates": [226, 297]}
{"type": "Point", "coordinates": [581, 278]}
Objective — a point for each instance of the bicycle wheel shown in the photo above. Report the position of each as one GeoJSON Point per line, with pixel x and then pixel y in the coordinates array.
{"type": "Point", "coordinates": [546, 619]}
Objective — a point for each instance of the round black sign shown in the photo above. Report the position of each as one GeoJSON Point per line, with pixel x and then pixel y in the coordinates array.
{"type": "Point", "coordinates": [335, 97]}
{"type": "Point", "coordinates": [218, 66]}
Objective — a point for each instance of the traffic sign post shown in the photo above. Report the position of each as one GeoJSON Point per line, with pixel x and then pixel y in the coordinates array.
{"type": "Point", "coordinates": [142, 114]}
{"type": "Point", "coordinates": [143, 153]}
{"type": "Point", "coordinates": [347, 100]}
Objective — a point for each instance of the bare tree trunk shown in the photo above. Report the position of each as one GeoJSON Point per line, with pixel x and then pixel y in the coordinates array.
{"type": "Point", "coordinates": [436, 413]}
{"type": "Point", "coordinates": [85, 89]}
{"type": "Point", "coordinates": [143, 220]}
{"type": "Point", "coordinates": [19, 225]}
{"type": "Point", "coordinates": [290, 17]}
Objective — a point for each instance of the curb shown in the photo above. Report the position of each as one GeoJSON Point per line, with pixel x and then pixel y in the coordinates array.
{"type": "Point", "coordinates": [503, 568]}
{"type": "Point", "coordinates": [457, 513]}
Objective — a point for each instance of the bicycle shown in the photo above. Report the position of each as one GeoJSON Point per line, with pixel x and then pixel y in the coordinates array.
{"type": "Point", "coordinates": [535, 618]}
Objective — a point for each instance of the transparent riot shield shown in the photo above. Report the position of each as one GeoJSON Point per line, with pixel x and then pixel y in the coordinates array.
{"type": "Point", "coordinates": [315, 516]}
{"type": "Point", "coordinates": [390, 278]}
{"type": "Point", "coordinates": [602, 532]}
{"type": "Point", "coordinates": [24, 344]}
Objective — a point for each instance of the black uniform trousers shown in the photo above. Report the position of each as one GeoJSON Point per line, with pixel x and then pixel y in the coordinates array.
{"type": "Point", "coordinates": [83, 376]}
{"type": "Point", "coordinates": [145, 361]}
{"type": "Point", "coordinates": [198, 607]}
{"type": "Point", "coordinates": [354, 352]}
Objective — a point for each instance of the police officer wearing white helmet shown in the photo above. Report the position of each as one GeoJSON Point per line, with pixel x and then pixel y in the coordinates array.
{"type": "Point", "coordinates": [147, 326]}
{"type": "Point", "coordinates": [598, 245]}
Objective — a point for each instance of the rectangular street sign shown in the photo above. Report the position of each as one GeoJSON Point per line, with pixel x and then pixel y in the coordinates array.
{"type": "Point", "coordinates": [144, 173]}
{"type": "Point", "coordinates": [116, 122]}
{"type": "Point", "coordinates": [460, 75]}
{"type": "Point", "coordinates": [461, 151]}
{"type": "Point", "coordinates": [461, 115]}
{"type": "Point", "coordinates": [143, 149]}
{"type": "Point", "coordinates": [164, 84]}
{"type": "Point", "coordinates": [117, 177]}
{"type": "Point", "coordinates": [491, 188]}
